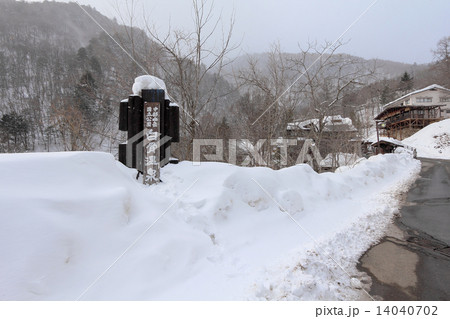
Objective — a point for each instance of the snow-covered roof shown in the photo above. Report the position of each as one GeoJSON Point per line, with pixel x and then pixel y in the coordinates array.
{"type": "Point", "coordinates": [303, 125]}
{"type": "Point", "coordinates": [331, 123]}
{"type": "Point", "coordinates": [430, 87]}
{"type": "Point", "coordinates": [373, 139]}
{"type": "Point", "coordinates": [389, 140]}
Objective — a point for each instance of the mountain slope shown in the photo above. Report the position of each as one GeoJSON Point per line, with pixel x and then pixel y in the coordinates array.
{"type": "Point", "coordinates": [53, 21]}
{"type": "Point", "coordinates": [384, 68]}
{"type": "Point", "coordinates": [61, 77]}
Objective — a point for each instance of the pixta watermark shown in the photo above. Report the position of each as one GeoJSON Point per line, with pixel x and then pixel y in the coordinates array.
{"type": "Point", "coordinates": [251, 154]}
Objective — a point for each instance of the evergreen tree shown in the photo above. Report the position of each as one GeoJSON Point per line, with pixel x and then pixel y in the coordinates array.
{"type": "Point", "coordinates": [406, 82]}
{"type": "Point", "coordinates": [3, 71]}
{"type": "Point", "coordinates": [14, 132]}
{"type": "Point", "coordinates": [95, 66]}
{"type": "Point", "coordinates": [82, 58]}
{"type": "Point", "coordinates": [86, 95]}
{"type": "Point", "coordinates": [223, 129]}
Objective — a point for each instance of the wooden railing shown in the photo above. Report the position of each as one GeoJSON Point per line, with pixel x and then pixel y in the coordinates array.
{"type": "Point", "coordinates": [412, 116]}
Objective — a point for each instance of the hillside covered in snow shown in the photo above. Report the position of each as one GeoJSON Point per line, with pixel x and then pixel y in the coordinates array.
{"type": "Point", "coordinates": [78, 225]}
{"type": "Point", "coordinates": [433, 141]}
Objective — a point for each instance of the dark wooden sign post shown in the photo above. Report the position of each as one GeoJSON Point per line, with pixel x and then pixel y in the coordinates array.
{"type": "Point", "coordinates": [152, 124]}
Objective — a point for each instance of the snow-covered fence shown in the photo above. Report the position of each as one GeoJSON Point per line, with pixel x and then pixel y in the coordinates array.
{"type": "Point", "coordinates": [152, 124]}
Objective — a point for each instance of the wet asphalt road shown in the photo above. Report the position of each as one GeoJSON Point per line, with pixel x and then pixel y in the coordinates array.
{"type": "Point", "coordinates": [413, 261]}
{"type": "Point", "coordinates": [430, 201]}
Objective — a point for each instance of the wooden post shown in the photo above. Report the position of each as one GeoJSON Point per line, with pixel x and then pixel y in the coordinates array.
{"type": "Point", "coordinates": [378, 138]}
{"type": "Point", "coordinates": [135, 127]}
{"type": "Point", "coordinates": [123, 126]}
{"type": "Point", "coordinates": [151, 142]}
{"type": "Point", "coordinates": [174, 123]}
{"type": "Point", "coordinates": [123, 115]}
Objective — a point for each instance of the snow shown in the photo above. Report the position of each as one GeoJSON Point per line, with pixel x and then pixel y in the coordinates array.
{"type": "Point", "coordinates": [433, 141]}
{"type": "Point", "coordinates": [373, 139]}
{"type": "Point", "coordinates": [329, 122]}
{"type": "Point", "coordinates": [148, 82]}
{"type": "Point", "coordinates": [209, 232]}
{"type": "Point", "coordinates": [390, 140]}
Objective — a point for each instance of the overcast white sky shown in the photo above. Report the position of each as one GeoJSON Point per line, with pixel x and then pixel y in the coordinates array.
{"type": "Point", "coordinates": [398, 30]}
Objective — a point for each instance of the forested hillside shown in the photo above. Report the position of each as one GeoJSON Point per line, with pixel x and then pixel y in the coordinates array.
{"type": "Point", "coordinates": [62, 77]}
{"type": "Point", "coordinates": [57, 85]}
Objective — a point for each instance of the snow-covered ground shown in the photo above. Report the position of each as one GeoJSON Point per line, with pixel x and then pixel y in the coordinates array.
{"type": "Point", "coordinates": [78, 225]}
{"type": "Point", "coordinates": [433, 141]}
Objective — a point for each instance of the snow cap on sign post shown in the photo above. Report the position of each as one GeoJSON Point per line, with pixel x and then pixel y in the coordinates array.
{"type": "Point", "coordinates": [148, 82]}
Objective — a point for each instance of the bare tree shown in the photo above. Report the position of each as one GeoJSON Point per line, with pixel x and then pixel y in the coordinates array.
{"type": "Point", "coordinates": [143, 52]}
{"type": "Point", "coordinates": [72, 129]}
{"type": "Point", "coordinates": [192, 64]}
{"type": "Point", "coordinates": [442, 61]}
{"type": "Point", "coordinates": [316, 83]}
{"type": "Point", "coordinates": [265, 110]}
{"type": "Point", "coordinates": [325, 83]}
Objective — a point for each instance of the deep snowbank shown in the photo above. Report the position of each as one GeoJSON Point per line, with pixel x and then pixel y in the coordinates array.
{"type": "Point", "coordinates": [433, 141]}
{"type": "Point", "coordinates": [66, 217]}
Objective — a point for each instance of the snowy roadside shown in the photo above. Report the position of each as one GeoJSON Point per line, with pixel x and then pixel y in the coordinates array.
{"type": "Point", "coordinates": [66, 217]}
{"type": "Point", "coordinates": [328, 270]}
{"type": "Point", "coordinates": [433, 141]}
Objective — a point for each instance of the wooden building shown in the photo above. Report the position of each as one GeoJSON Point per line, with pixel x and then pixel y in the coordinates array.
{"type": "Point", "coordinates": [410, 113]}
{"type": "Point", "coordinates": [332, 135]}
{"type": "Point", "coordinates": [402, 121]}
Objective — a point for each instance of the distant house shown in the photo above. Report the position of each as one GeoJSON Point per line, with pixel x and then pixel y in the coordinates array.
{"type": "Point", "coordinates": [331, 125]}
{"type": "Point", "coordinates": [390, 145]}
{"type": "Point", "coordinates": [408, 114]}
{"type": "Point", "coordinates": [335, 134]}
